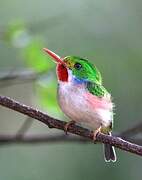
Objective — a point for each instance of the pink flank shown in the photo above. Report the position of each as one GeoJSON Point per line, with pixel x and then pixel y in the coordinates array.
{"type": "Point", "coordinates": [99, 103]}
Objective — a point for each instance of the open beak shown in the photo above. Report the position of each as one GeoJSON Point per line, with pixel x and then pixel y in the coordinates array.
{"type": "Point", "coordinates": [56, 58]}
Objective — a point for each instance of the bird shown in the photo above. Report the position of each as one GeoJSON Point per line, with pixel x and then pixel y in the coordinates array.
{"type": "Point", "coordinates": [83, 98]}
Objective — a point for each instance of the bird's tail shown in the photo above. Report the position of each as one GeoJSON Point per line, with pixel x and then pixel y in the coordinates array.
{"type": "Point", "coordinates": [109, 152]}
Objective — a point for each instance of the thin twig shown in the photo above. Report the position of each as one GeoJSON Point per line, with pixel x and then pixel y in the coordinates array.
{"type": "Point", "coordinates": [35, 139]}
{"type": "Point", "coordinates": [135, 140]}
{"type": "Point", "coordinates": [21, 74]}
{"type": "Point", "coordinates": [13, 77]}
{"type": "Point", "coordinates": [132, 131]}
{"type": "Point", "coordinates": [49, 139]}
{"type": "Point", "coordinates": [55, 123]}
{"type": "Point", "coordinates": [25, 127]}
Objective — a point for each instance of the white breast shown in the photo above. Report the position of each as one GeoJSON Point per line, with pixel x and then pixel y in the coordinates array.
{"type": "Point", "coordinates": [76, 107]}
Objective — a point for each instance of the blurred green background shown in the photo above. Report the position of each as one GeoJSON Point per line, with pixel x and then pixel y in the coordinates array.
{"type": "Point", "coordinates": [107, 32]}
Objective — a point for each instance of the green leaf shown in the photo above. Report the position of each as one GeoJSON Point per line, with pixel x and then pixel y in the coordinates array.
{"type": "Point", "coordinates": [36, 58]}
{"type": "Point", "coordinates": [14, 29]}
{"type": "Point", "coordinates": [46, 91]}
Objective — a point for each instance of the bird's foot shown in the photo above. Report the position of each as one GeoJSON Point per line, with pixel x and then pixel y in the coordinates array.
{"type": "Point", "coordinates": [67, 126]}
{"type": "Point", "coordinates": [95, 134]}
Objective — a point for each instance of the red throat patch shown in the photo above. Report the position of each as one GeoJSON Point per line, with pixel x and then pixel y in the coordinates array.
{"type": "Point", "coordinates": [62, 73]}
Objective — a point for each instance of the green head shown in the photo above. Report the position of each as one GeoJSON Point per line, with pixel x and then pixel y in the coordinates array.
{"type": "Point", "coordinates": [81, 68]}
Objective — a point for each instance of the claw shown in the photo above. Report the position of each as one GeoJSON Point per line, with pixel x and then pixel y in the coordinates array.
{"type": "Point", "coordinates": [67, 126]}
{"type": "Point", "coordinates": [95, 133]}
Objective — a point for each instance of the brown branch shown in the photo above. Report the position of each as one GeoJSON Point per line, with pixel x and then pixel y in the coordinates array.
{"type": "Point", "coordinates": [55, 123]}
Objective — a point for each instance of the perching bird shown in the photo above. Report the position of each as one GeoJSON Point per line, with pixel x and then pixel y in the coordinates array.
{"type": "Point", "coordinates": [83, 98]}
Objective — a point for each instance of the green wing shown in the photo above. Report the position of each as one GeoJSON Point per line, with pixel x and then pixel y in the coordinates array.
{"type": "Point", "coordinates": [96, 89]}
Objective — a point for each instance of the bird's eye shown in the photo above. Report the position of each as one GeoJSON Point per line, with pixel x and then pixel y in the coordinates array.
{"type": "Point", "coordinates": [77, 66]}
